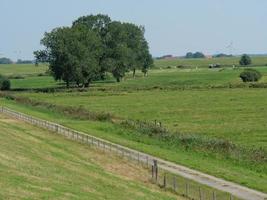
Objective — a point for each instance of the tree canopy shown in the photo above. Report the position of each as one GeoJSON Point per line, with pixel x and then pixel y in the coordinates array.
{"type": "Point", "coordinates": [195, 55]}
{"type": "Point", "coordinates": [245, 60]}
{"type": "Point", "coordinates": [92, 46]}
{"type": "Point", "coordinates": [5, 61]}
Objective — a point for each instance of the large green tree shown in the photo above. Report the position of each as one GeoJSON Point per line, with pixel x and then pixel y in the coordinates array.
{"type": "Point", "coordinates": [98, 24]}
{"type": "Point", "coordinates": [92, 46]}
{"type": "Point", "coordinates": [73, 54]}
{"type": "Point", "coordinates": [124, 46]}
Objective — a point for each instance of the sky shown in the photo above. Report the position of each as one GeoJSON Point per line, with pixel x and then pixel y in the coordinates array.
{"type": "Point", "coordinates": [172, 26]}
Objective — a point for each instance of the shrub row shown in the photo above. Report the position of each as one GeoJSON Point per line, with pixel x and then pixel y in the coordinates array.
{"type": "Point", "coordinates": [70, 111]}
{"type": "Point", "coordinates": [198, 142]}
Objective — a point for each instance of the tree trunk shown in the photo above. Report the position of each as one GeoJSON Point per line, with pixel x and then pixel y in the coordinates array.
{"type": "Point", "coordinates": [68, 83]}
{"type": "Point", "coordinates": [118, 79]}
{"type": "Point", "coordinates": [134, 73]}
{"type": "Point", "coordinates": [87, 84]}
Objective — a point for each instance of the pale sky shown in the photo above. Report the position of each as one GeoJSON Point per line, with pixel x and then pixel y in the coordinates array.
{"type": "Point", "coordinates": [172, 26]}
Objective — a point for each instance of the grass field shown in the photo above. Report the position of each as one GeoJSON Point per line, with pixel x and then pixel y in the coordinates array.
{"type": "Point", "coordinates": [221, 113]}
{"type": "Point", "coordinates": [36, 164]}
{"type": "Point", "coordinates": [205, 62]}
{"type": "Point", "coordinates": [203, 102]}
{"type": "Point", "coordinates": [172, 78]}
{"type": "Point", "coordinates": [22, 69]}
{"type": "Point", "coordinates": [254, 176]}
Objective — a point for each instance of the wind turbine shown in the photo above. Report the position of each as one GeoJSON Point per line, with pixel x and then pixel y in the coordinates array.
{"type": "Point", "coordinates": [230, 48]}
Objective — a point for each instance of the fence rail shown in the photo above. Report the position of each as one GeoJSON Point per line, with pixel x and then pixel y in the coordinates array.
{"type": "Point", "coordinates": [163, 173]}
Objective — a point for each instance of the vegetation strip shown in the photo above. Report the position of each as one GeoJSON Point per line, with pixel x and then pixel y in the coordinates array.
{"type": "Point", "coordinates": [252, 155]}
{"type": "Point", "coordinates": [235, 189]}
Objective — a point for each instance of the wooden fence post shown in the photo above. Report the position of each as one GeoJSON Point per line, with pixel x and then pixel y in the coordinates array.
{"type": "Point", "coordinates": [200, 193]}
{"type": "Point", "coordinates": [164, 181]}
{"type": "Point", "coordinates": [214, 195]}
{"type": "Point", "coordinates": [174, 184]}
{"type": "Point", "coordinates": [186, 189]}
{"type": "Point", "coordinates": [155, 162]}
{"type": "Point", "coordinates": [152, 170]}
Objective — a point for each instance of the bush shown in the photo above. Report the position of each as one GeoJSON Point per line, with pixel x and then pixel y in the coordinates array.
{"type": "Point", "coordinates": [250, 75]}
{"type": "Point", "coordinates": [16, 77]}
{"type": "Point", "coordinates": [4, 83]}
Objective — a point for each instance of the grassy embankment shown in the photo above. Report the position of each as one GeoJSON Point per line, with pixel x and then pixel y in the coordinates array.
{"type": "Point", "coordinates": [36, 164]}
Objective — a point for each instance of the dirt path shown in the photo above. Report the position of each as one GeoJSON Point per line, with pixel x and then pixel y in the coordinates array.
{"type": "Point", "coordinates": [197, 176]}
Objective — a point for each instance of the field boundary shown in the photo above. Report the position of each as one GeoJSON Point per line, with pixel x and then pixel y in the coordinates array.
{"type": "Point", "coordinates": [233, 190]}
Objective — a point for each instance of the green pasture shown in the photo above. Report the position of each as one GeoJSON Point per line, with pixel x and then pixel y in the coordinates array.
{"type": "Point", "coordinates": [22, 69]}
{"type": "Point", "coordinates": [208, 102]}
{"type": "Point", "coordinates": [250, 175]}
{"type": "Point", "coordinates": [237, 115]}
{"type": "Point", "coordinates": [205, 62]}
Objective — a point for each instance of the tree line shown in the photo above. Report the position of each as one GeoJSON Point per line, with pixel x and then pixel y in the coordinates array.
{"type": "Point", "coordinates": [93, 46]}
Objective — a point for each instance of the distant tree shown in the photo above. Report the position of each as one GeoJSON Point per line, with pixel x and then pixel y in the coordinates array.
{"type": "Point", "coordinates": [5, 61]}
{"type": "Point", "coordinates": [199, 55]}
{"type": "Point", "coordinates": [245, 60]}
{"type": "Point", "coordinates": [194, 55]}
{"type": "Point", "coordinates": [19, 61]}
{"type": "Point", "coordinates": [189, 55]}
{"type": "Point", "coordinates": [221, 55]}
{"type": "Point", "coordinates": [250, 75]}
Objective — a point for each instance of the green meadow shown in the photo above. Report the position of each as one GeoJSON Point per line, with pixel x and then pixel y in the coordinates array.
{"type": "Point", "coordinates": [205, 62]}
{"type": "Point", "coordinates": [206, 104]}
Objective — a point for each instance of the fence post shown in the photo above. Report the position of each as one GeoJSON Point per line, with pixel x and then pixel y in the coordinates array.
{"type": "Point", "coordinates": [214, 195]}
{"type": "Point", "coordinates": [155, 162]}
{"type": "Point", "coordinates": [186, 189]}
{"type": "Point", "coordinates": [152, 170]}
{"type": "Point", "coordinates": [231, 197]}
{"type": "Point", "coordinates": [174, 184]}
{"type": "Point", "coordinates": [164, 181]}
{"type": "Point", "coordinates": [200, 193]}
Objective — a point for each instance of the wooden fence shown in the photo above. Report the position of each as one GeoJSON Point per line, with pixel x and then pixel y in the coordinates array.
{"type": "Point", "coordinates": [158, 168]}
